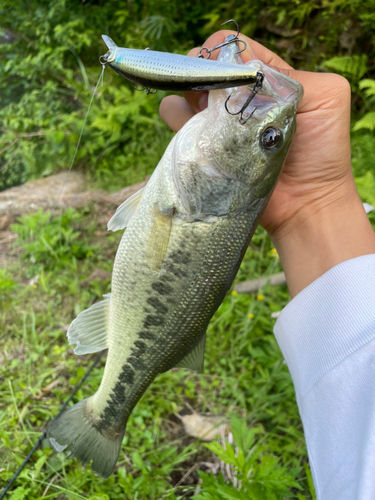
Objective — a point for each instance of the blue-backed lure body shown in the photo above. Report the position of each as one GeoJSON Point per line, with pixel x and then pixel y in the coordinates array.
{"type": "Point", "coordinates": [174, 72]}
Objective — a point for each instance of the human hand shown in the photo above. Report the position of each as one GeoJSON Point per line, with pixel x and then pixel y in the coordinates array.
{"type": "Point", "coordinates": [315, 217]}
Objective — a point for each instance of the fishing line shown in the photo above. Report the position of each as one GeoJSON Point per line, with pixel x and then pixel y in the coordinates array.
{"type": "Point", "coordinates": [100, 80]}
{"type": "Point", "coordinates": [36, 446]}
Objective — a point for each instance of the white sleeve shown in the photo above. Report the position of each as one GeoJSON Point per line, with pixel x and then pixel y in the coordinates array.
{"type": "Point", "coordinates": [327, 336]}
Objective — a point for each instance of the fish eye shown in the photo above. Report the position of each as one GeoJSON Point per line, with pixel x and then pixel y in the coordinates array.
{"type": "Point", "coordinates": [271, 138]}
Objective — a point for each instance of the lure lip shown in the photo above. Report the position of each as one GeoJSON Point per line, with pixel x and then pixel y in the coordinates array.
{"type": "Point", "coordinates": [110, 56]}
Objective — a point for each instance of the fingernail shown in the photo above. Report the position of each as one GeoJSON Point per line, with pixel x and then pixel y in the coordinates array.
{"type": "Point", "coordinates": [203, 101]}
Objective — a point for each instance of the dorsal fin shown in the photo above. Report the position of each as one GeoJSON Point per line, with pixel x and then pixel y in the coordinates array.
{"type": "Point", "coordinates": [125, 212]}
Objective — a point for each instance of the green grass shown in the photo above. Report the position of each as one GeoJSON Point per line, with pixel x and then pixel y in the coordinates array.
{"type": "Point", "coordinates": [245, 375]}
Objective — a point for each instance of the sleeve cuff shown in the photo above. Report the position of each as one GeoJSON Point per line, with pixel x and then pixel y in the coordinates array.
{"type": "Point", "coordinates": [327, 321]}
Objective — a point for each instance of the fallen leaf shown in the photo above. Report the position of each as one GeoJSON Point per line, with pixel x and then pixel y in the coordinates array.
{"type": "Point", "coordinates": [204, 427]}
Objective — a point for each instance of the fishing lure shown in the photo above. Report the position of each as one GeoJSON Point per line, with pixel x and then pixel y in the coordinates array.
{"type": "Point", "coordinates": [177, 73]}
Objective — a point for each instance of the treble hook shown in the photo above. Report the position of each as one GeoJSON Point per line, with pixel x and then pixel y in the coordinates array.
{"type": "Point", "coordinates": [255, 90]}
{"type": "Point", "coordinates": [234, 39]}
{"type": "Point", "coordinates": [146, 89]}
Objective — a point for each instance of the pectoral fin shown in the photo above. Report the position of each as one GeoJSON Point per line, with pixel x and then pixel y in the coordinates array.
{"type": "Point", "coordinates": [195, 359]}
{"type": "Point", "coordinates": [89, 329]}
{"type": "Point", "coordinates": [125, 212]}
{"type": "Point", "coordinates": [157, 244]}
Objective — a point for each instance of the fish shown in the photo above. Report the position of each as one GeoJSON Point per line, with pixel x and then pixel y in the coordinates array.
{"type": "Point", "coordinates": [175, 72]}
{"type": "Point", "coordinates": [186, 234]}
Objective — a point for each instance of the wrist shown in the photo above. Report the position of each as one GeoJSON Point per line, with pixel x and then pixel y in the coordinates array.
{"type": "Point", "coordinates": [322, 235]}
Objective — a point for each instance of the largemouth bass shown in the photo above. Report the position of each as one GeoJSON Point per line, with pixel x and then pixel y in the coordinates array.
{"type": "Point", "coordinates": [186, 234]}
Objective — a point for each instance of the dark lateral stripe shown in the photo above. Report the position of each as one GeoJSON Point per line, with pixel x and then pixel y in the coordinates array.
{"type": "Point", "coordinates": [127, 375]}
{"type": "Point", "coordinates": [152, 320]}
{"type": "Point", "coordinates": [147, 335]}
{"type": "Point", "coordinates": [136, 362]}
{"type": "Point", "coordinates": [162, 288]}
{"type": "Point", "coordinates": [157, 305]}
{"type": "Point", "coordinates": [113, 412]}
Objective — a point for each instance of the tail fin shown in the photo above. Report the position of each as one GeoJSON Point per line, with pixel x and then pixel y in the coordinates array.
{"type": "Point", "coordinates": [109, 42]}
{"type": "Point", "coordinates": [78, 428]}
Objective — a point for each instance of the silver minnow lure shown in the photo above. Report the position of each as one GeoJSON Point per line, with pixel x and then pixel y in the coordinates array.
{"type": "Point", "coordinates": [186, 234]}
{"type": "Point", "coordinates": [174, 72]}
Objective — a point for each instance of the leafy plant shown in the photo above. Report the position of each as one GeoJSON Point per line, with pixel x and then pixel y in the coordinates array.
{"type": "Point", "coordinates": [159, 29]}
{"type": "Point", "coordinates": [6, 281]}
{"type": "Point", "coordinates": [366, 188]}
{"type": "Point", "coordinates": [149, 478]}
{"type": "Point", "coordinates": [363, 153]}
{"type": "Point", "coordinates": [51, 241]}
{"type": "Point", "coordinates": [6, 285]}
{"type": "Point", "coordinates": [368, 120]}
{"type": "Point", "coordinates": [255, 475]}
{"type": "Point", "coordinates": [49, 66]}
{"type": "Point", "coordinates": [352, 66]}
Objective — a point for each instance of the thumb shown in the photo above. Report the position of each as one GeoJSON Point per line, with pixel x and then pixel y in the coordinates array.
{"type": "Point", "coordinates": [326, 90]}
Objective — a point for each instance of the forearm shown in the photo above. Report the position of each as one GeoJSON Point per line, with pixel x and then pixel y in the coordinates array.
{"type": "Point", "coordinates": [327, 336]}
{"type": "Point", "coordinates": [323, 235]}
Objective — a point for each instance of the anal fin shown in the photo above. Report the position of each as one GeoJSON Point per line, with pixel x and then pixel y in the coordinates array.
{"type": "Point", "coordinates": [89, 329]}
{"type": "Point", "coordinates": [195, 359]}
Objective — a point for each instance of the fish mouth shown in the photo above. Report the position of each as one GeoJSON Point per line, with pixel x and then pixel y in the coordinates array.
{"type": "Point", "coordinates": [277, 86]}
{"type": "Point", "coordinates": [277, 91]}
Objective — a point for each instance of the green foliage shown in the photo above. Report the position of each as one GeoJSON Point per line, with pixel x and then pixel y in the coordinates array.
{"type": "Point", "coordinates": [52, 243]}
{"type": "Point", "coordinates": [369, 85]}
{"type": "Point", "coordinates": [352, 66]}
{"type": "Point", "coordinates": [366, 122]}
{"type": "Point", "coordinates": [49, 67]}
{"type": "Point", "coordinates": [366, 188]}
{"type": "Point", "coordinates": [159, 30]}
{"type": "Point", "coordinates": [151, 476]}
{"type": "Point", "coordinates": [47, 75]}
{"type": "Point", "coordinates": [6, 281]}
{"type": "Point", "coordinates": [255, 476]}
{"type": "Point", "coordinates": [363, 153]}
{"type": "Point", "coordinates": [20, 493]}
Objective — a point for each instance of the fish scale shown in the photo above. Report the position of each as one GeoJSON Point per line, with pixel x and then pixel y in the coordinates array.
{"type": "Point", "coordinates": [186, 234]}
